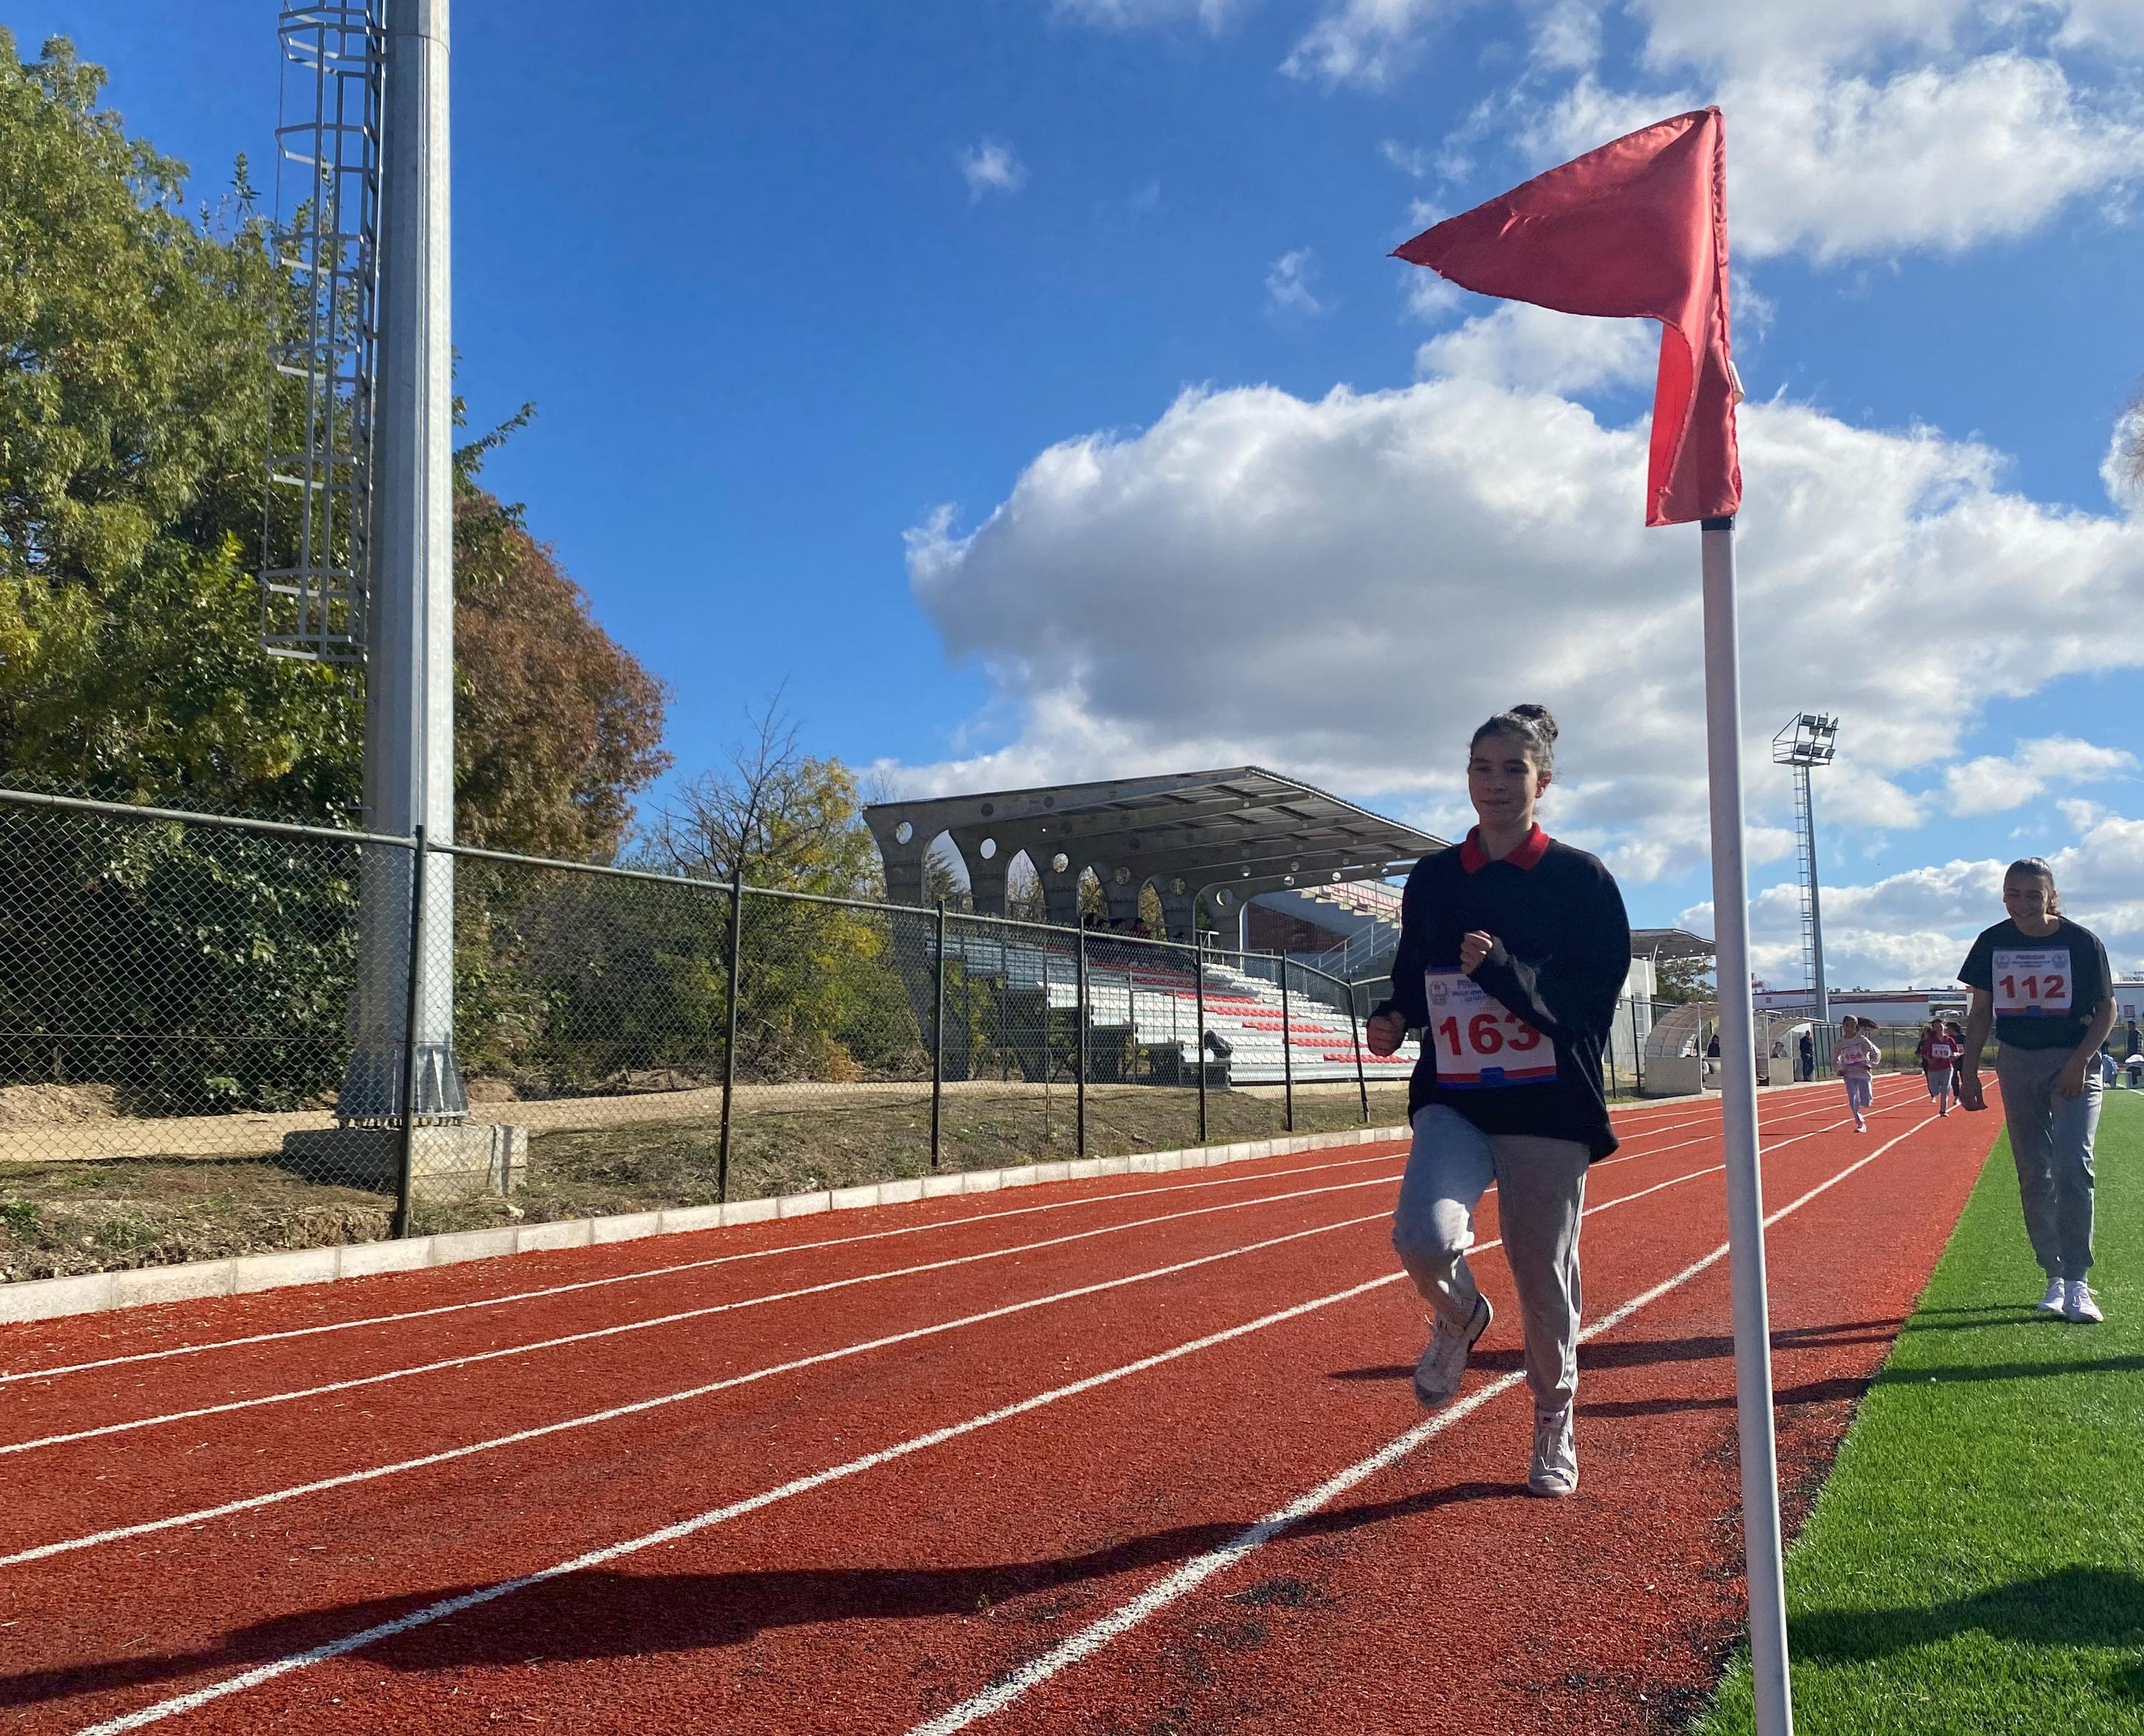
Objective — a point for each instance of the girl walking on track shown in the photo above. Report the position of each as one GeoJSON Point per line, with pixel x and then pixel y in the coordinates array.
{"type": "Point", "coordinates": [1939, 1056]}
{"type": "Point", "coordinates": [1856, 1058]}
{"type": "Point", "coordinates": [1513, 949]}
{"type": "Point", "coordinates": [2044, 985]}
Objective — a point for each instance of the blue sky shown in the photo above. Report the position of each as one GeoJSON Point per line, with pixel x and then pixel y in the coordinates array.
{"type": "Point", "coordinates": [861, 338]}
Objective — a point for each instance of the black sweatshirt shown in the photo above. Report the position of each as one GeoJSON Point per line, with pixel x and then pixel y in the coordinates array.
{"type": "Point", "coordinates": [1562, 954]}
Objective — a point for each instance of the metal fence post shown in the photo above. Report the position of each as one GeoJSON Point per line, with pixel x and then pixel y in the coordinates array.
{"type": "Point", "coordinates": [1287, 1048]}
{"type": "Point", "coordinates": [1354, 1032]}
{"type": "Point", "coordinates": [729, 1048]}
{"type": "Point", "coordinates": [938, 1041]}
{"type": "Point", "coordinates": [1079, 1005]}
{"type": "Point", "coordinates": [405, 1157]}
{"type": "Point", "coordinates": [1198, 980]}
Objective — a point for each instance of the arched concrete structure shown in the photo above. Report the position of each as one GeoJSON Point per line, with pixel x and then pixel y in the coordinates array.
{"type": "Point", "coordinates": [1244, 827]}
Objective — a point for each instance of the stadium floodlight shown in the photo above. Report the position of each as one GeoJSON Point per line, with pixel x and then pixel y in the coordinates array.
{"type": "Point", "coordinates": [1809, 739]}
{"type": "Point", "coordinates": [372, 475]}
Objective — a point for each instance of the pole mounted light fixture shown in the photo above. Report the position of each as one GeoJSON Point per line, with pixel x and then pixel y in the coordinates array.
{"type": "Point", "coordinates": [1809, 739]}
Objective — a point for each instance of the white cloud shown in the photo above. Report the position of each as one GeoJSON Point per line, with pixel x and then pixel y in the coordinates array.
{"type": "Point", "coordinates": [1535, 348]}
{"type": "Point", "coordinates": [1915, 927]}
{"type": "Point", "coordinates": [1989, 785]}
{"type": "Point", "coordinates": [1839, 165]}
{"type": "Point", "coordinates": [1342, 587]}
{"type": "Point", "coordinates": [1413, 159]}
{"type": "Point", "coordinates": [2123, 468]}
{"type": "Point", "coordinates": [2115, 24]}
{"type": "Point", "coordinates": [1362, 42]}
{"type": "Point", "coordinates": [991, 168]}
{"type": "Point", "coordinates": [1214, 16]}
{"type": "Point", "coordinates": [1289, 282]}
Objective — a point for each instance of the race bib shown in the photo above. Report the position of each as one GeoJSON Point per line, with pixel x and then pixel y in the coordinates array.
{"type": "Point", "coordinates": [2030, 983]}
{"type": "Point", "coordinates": [1480, 1042]}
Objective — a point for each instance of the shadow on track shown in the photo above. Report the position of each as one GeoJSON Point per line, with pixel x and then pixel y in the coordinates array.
{"type": "Point", "coordinates": [614, 1612]}
{"type": "Point", "coordinates": [1645, 1352]}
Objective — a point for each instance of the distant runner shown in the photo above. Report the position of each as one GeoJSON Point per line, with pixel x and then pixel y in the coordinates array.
{"type": "Point", "coordinates": [1856, 1058]}
{"type": "Point", "coordinates": [1513, 949]}
{"type": "Point", "coordinates": [1939, 1056]}
{"type": "Point", "coordinates": [2043, 982]}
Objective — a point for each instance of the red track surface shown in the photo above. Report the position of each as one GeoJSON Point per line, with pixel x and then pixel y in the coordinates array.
{"type": "Point", "coordinates": [1432, 1594]}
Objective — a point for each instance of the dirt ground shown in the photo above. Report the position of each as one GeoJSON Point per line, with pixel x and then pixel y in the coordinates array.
{"type": "Point", "coordinates": [64, 1217]}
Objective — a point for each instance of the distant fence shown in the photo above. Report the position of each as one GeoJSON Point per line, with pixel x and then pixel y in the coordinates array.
{"type": "Point", "coordinates": [176, 1005]}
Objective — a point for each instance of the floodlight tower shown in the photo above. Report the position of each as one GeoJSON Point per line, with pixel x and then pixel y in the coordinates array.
{"type": "Point", "coordinates": [376, 583]}
{"type": "Point", "coordinates": [1811, 739]}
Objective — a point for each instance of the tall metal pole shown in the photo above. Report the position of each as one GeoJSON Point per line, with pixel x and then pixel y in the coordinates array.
{"type": "Point", "coordinates": [1354, 1032]}
{"type": "Point", "coordinates": [938, 1039]}
{"type": "Point", "coordinates": [1287, 1048]}
{"type": "Point", "coordinates": [729, 1046]}
{"type": "Point", "coordinates": [405, 1166]}
{"type": "Point", "coordinates": [1738, 1092]}
{"type": "Point", "coordinates": [1080, 1008]}
{"type": "Point", "coordinates": [1198, 991]}
{"type": "Point", "coordinates": [1816, 912]}
{"type": "Point", "coordinates": [409, 659]}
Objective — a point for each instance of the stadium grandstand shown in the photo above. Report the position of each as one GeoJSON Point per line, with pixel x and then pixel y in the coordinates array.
{"type": "Point", "coordinates": [1283, 890]}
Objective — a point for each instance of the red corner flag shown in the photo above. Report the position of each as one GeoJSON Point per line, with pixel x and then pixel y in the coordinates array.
{"type": "Point", "coordinates": [1637, 229]}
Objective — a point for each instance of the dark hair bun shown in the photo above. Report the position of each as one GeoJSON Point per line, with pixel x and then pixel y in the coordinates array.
{"type": "Point", "coordinates": [1538, 716]}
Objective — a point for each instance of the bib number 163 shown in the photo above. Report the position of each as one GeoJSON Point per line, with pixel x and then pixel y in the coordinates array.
{"type": "Point", "coordinates": [1480, 1044]}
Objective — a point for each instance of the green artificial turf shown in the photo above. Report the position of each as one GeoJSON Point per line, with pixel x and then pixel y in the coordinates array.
{"type": "Point", "coordinates": [1976, 1563]}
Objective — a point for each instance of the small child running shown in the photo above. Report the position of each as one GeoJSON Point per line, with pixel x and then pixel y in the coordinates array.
{"type": "Point", "coordinates": [1939, 1056]}
{"type": "Point", "coordinates": [1856, 1058]}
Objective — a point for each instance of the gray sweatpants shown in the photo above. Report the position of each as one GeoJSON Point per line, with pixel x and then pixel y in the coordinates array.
{"type": "Point", "coordinates": [1540, 1192]}
{"type": "Point", "coordinates": [2051, 1138]}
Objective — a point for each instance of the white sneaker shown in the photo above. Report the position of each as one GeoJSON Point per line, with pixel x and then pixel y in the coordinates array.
{"type": "Point", "coordinates": [2056, 1298]}
{"type": "Point", "coordinates": [1443, 1365]}
{"type": "Point", "coordinates": [2079, 1305]}
{"type": "Point", "coordinates": [1554, 1471]}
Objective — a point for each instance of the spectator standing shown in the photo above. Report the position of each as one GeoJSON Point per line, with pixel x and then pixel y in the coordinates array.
{"type": "Point", "coordinates": [2044, 985]}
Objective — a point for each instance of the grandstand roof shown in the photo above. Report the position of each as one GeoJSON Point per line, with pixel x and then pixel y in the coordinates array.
{"type": "Point", "coordinates": [1668, 943]}
{"type": "Point", "coordinates": [1189, 831]}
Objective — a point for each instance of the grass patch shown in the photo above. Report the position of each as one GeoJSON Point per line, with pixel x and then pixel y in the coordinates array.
{"type": "Point", "coordinates": [1976, 1563]}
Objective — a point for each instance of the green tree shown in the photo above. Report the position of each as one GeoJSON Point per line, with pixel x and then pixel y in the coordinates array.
{"type": "Point", "coordinates": [133, 408]}
{"type": "Point", "coordinates": [135, 403]}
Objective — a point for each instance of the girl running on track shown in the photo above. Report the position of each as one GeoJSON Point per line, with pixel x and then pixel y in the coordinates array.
{"type": "Point", "coordinates": [1938, 1063]}
{"type": "Point", "coordinates": [1856, 1058]}
{"type": "Point", "coordinates": [2044, 985]}
{"type": "Point", "coordinates": [1513, 949]}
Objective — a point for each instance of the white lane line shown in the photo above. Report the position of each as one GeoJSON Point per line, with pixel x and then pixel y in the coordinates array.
{"type": "Point", "coordinates": [447, 1607]}
{"type": "Point", "coordinates": [1251, 1179]}
{"type": "Point", "coordinates": [764, 1253]}
{"type": "Point", "coordinates": [1195, 1572]}
{"type": "Point", "coordinates": [444, 1364]}
{"type": "Point", "coordinates": [594, 1333]}
{"type": "Point", "coordinates": [639, 1407]}
{"type": "Point", "coordinates": [274, 1497]}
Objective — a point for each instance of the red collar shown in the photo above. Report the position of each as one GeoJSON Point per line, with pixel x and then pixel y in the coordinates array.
{"type": "Point", "coordinates": [1530, 850]}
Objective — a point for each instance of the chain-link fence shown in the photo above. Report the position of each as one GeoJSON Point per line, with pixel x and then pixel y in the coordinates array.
{"type": "Point", "coordinates": [212, 1040]}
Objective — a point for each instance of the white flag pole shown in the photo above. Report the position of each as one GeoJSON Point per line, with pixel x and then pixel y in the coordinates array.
{"type": "Point", "coordinates": [1738, 1092]}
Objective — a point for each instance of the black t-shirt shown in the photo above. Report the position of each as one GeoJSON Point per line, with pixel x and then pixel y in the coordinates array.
{"type": "Point", "coordinates": [1516, 1048]}
{"type": "Point", "coordinates": [2045, 989]}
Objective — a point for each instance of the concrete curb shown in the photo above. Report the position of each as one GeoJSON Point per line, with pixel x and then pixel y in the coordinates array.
{"type": "Point", "coordinates": [95, 1292]}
